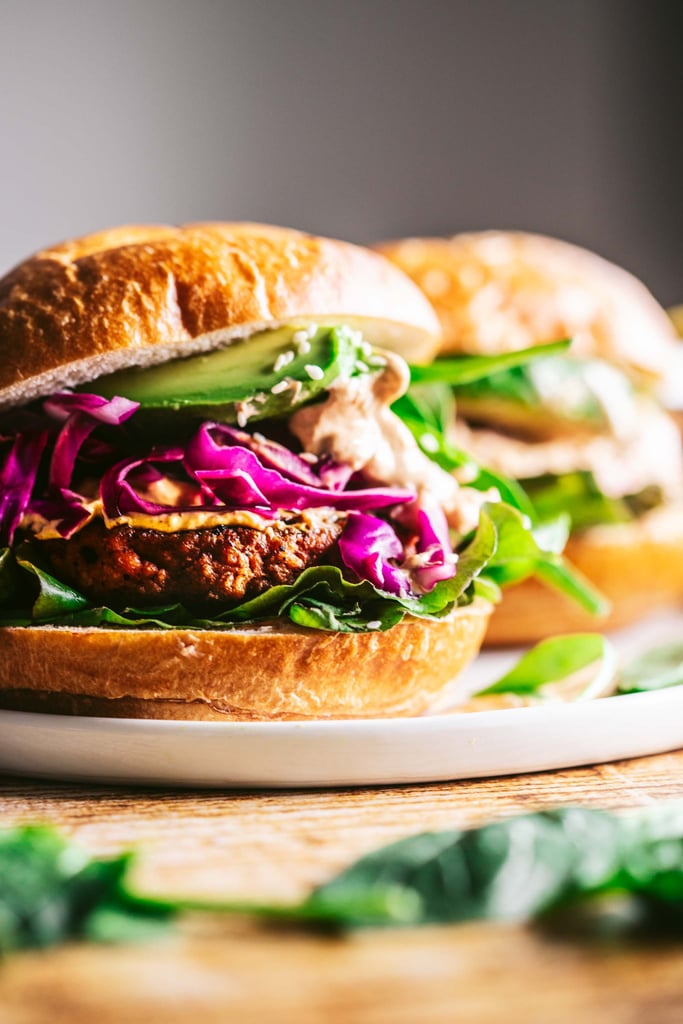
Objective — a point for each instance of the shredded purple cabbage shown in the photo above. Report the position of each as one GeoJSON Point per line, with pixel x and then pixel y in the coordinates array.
{"type": "Point", "coordinates": [113, 411]}
{"type": "Point", "coordinates": [64, 508]}
{"type": "Point", "coordinates": [221, 467]}
{"type": "Point", "coordinates": [434, 554]}
{"type": "Point", "coordinates": [370, 548]}
{"type": "Point", "coordinates": [119, 496]}
{"type": "Point", "coordinates": [271, 454]}
{"type": "Point", "coordinates": [232, 472]}
{"type": "Point", "coordinates": [17, 477]}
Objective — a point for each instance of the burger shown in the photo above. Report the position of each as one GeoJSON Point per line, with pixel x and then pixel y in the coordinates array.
{"type": "Point", "coordinates": [208, 509]}
{"type": "Point", "coordinates": [581, 429]}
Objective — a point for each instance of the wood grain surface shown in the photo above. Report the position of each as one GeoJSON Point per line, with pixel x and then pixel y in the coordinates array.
{"type": "Point", "coordinates": [276, 846]}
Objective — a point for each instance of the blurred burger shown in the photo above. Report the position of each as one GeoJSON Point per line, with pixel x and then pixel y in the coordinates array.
{"type": "Point", "coordinates": [207, 508]}
{"type": "Point", "coordinates": [582, 430]}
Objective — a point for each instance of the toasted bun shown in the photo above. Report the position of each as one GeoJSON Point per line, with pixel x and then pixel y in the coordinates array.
{"type": "Point", "coordinates": [270, 673]}
{"type": "Point", "coordinates": [136, 296]}
{"type": "Point", "coordinates": [496, 291]}
{"type": "Point", "coordinates": [638, 566]}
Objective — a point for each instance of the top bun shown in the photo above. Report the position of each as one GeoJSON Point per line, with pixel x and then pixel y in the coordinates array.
{"type": "Point", "coordinates": [496, 291]}
{"type": "Point", "coordinates": [141, 295]}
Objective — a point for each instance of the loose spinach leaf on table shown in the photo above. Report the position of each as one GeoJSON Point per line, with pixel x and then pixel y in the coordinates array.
{"type": "Point", "coordinates": [52, 892]}
{"type": "Point", "coordinates": [519, 869]}
{"type": "Point", "coordinates": [510, 870]}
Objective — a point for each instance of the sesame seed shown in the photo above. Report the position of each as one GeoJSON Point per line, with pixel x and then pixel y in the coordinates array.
{"type": "Point", "coordinates": [374, 624]}
{"type": "Point", "coordinates": [283, 360]}
{"type": "Point", "coordinates": [366, 348]}
{"type": "Point", "coordinates": [429, 443]}
{"type": "Point", "coordinates": [314, 372]}
{"type": "Point", "coordinates": [361, 366]}
{"type": "Point", "coordinates": [377, 361]}
{"type": "Point", "coordinates": [244, 411]}
{"type": "Point", "coordinates": [309, 457]}
{"type": "Point", "coordinates": [302, 344]}
{"type": "Point", "coordinates": [282, 385]}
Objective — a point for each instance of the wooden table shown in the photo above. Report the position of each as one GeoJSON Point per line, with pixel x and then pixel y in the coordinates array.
{"type": "Point", "coordinates": [276, 846]}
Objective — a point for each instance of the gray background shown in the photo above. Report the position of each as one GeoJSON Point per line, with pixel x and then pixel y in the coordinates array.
{"type": "Point", "coordinates": [365, 119]}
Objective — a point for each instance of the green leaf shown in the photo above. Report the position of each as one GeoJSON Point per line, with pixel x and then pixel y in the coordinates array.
{"type": "Point", "coordinates": [465, 369]}
{"type": "Point", "coordinates": [566, 578]}
{"type": "Point", "coordinates": [510, 870]}
{"type": "Point", "coordinates": [50, 890]}
{"type": "Point", "coordinates": [519, 556]}
{"type": "Point", "coordinates": [485, 588]}
{"type": "Point", "coordinates": [554, 660]}
{"type": "Point", "coordinates": [652, 858]}
{"type": "Point", "coordinates": [578, 496]}
{"type": "Point", "coordinates": [54, 598]}
{"type": "Point", "coordinates": [655, 669]}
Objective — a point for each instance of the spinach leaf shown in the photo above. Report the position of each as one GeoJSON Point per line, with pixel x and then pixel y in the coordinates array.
{"type": "Point", "coordinates": [652, 858]}
{"type": "Point", "coordinates": [556, 659]}
{"type": "Point", "coordinates": [578, 496]}
{"type": "Point", "coordinates": [655, 669]}
{"type": "Point", "coordinates": [511, 870]}
{"type": "Point", "coordinates": [51, 891]}
{"type": "Point", "coordinates": [53, 597]}
{"type": "Point", "coordinates": [519, 869]}
{"type": "Point", "coordinates": [519, 555]}
{"type": "Point", "coordinates": [458, 370]}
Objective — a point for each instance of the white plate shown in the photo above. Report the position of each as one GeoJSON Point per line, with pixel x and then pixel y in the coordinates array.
{"type": "Point", "coordinates": [341, 753]}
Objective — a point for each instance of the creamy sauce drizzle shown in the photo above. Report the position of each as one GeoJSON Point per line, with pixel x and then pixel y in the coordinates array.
{"type": "Point", "coordinates": [355, 426]}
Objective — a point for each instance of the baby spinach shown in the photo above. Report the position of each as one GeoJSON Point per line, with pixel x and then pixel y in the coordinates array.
{"type": "Point", "coordinates": [519, 554]}
{"type": "Point", "coordinates": [556, 659]}
{"type": "Point", "coordinates": [459, 370]}
{"type": "Point", "coordinates": [655, 669]}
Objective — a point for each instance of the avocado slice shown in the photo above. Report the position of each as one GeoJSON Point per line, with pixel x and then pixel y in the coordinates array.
{"type": "Point", "coordinates": [265, 376]}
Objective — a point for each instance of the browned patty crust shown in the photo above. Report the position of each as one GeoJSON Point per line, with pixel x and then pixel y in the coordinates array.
{"type": "Point", "coordinates": [127, 566]}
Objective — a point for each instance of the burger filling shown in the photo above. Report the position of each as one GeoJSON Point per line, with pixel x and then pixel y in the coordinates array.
{"type": "Point", "coordinates": [267, 479]}
{"type": "Point", "coordinates": [578, 436]}
{"type": "Point", "coordinates": [270, 479]}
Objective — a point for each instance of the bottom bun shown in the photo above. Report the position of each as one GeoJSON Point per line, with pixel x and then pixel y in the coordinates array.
{"type": "Point", "coordinates": [274, 672]}
{"type": "Point", "coordinates": [637, 566]}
